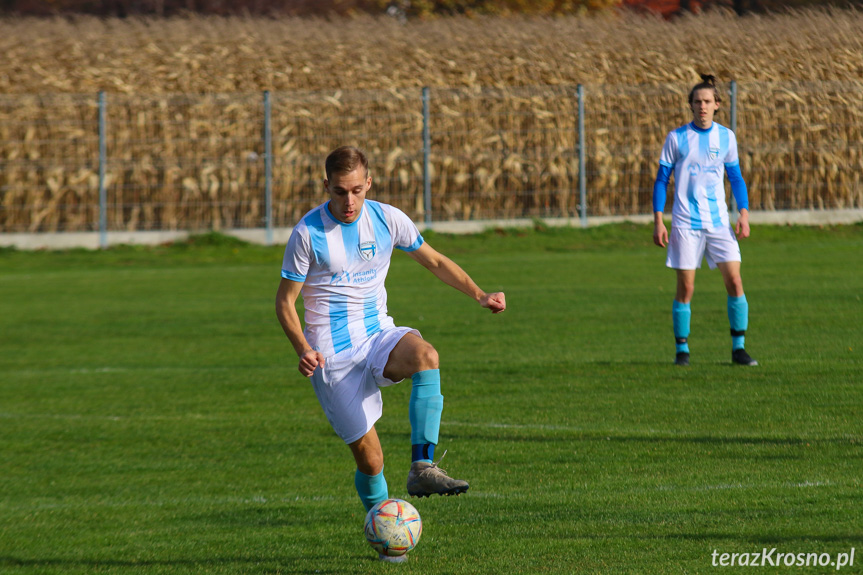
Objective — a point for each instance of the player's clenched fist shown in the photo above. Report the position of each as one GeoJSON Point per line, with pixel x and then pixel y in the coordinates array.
{"type": "Point", "coordinates": [496, 302]}
{"type": "Point", "coordinates": [310, 361]}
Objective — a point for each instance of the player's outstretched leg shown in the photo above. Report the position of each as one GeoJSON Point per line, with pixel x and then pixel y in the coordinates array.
{"type": "Point", "coordinates": [426, 405]}
{"type": "Point", "coordinates": [681, 314]}
{"type": "Point", "coordinates": [738, 317]}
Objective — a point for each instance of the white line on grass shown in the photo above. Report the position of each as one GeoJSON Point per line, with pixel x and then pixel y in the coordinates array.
{"type": "Point", "coordinates": [102, 417]}
{"type": "Point", "coordinates": [744, 486]}
{"type": "Point", "coordinates": [532, 426]}
{"type": "Point", "coordinates": [177, 501]}
{"type": "Point", "coordinates": [144, 368]}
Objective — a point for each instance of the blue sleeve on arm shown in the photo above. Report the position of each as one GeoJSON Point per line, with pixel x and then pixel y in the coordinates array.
{"type": "Point", "coordinates": [414, 246]}
{"type": "Point", "coordinates": [660, 187]}
{"type": "Point", "coordinates": [738, 186]}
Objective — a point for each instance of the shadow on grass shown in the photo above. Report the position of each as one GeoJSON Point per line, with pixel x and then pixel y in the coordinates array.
{"type": "Point", "coordinates": [667, 363]}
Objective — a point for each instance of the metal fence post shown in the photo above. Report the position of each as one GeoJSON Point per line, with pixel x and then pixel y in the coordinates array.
{"type": "Point", "coordinates": [733, 122]}
{"type": "Point", "coordinates": [268, 168]}
{"type": "Point", "coordinates": [427, 204]}
{"type": "Point", "coordinates": [103, 192]}
{"type": "Point", "coordinates": [582, 180]}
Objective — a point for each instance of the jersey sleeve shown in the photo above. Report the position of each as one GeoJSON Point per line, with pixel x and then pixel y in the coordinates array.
{"type": "Point", "coordinates": [406, 235]}
{"type": "Point", "coordinates": [735, 177]}
{"type": "Point", "coordinates": [668, 156]}
{"type": "Point", "coordinates": [660, 187]}
{"type": "Point", "coordinates": [731, 157]}
{"type": "Point", "coordinates": [738, 186]}
{"type": "Point", "coordinates": [295, 264]}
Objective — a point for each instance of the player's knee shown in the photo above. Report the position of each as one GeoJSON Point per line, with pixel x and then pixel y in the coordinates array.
{"type": "Point", "coordinates": [734, 285]}
{"type": "Point", "coordinates": [427, 358]}
{"type": "Point", "coordinates": [369, 460]}
{"type": "Point", "coordinates": [685, 291]}
{"type": "Point", "coordinates": [371, 467]}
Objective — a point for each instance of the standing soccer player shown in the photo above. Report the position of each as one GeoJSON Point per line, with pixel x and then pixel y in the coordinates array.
{"type": "Point", "coordinates": [338, 257]}
{"type": "Point", "coordinates": [700, 153]}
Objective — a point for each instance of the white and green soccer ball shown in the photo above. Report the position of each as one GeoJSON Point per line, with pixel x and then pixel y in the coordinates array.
{"type": "Point", "coordinates": [393, 527]}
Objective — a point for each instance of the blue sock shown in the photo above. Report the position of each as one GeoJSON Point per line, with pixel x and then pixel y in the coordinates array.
{"type": "Point", "coordinates": [681, 313]}
{"type": "Point", "coordinates": [738, 317]}
{"type": "Point", "coordinates": [424, 409]}
{"type": "Point", "coordinates": [372, 489]}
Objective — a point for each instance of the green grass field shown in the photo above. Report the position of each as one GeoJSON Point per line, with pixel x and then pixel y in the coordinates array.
{"type": "Point", "coordinates": [152, 419]}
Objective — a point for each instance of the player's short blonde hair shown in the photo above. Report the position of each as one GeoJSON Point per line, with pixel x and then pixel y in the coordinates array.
{"type": "Point", "coordinates": [344, 160]}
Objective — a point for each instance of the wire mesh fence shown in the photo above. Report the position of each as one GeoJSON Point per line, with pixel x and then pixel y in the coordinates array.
{"type": "Point", "coordinates": [252, 160]}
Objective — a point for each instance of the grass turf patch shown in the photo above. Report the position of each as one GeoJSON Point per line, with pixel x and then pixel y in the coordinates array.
{"type": "Point", "coordinates": [153, 420]}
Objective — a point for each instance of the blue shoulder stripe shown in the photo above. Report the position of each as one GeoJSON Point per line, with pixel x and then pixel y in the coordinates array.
{"type": "Point", "coordinates": [318, 237]}
{"type": "Point", "coordinates": [383, 237]}
{"type": "Point", "coordinates": [723, 141]}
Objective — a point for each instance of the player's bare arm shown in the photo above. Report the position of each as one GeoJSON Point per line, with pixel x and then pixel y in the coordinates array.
{"type": "Point", "coordinates": [660, 232]}
{"type": "Point", "coordinates": [742, 226]}
{"type": "Point", "coordinates": [453, 275]}
{"type": "Point", "coordinates": [286, 311]}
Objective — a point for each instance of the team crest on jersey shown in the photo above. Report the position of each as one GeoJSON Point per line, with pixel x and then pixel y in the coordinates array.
{"type": "Point", "coordinates": [714, 153]}
{"type": "Point", "coordinates": [368, 250]}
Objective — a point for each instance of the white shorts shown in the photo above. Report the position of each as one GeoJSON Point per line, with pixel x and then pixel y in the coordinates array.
{"type": "Point", "coordinates": [348, 385]}
{"type": "Point", "coordinates": [686, 248]}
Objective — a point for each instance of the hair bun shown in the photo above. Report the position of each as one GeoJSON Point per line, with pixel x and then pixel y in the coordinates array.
{"type": "Point", "coordinates": [709, 79]}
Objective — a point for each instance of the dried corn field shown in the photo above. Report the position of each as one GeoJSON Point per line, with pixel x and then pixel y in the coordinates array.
{"type": "Point", "coordinates": [184, 114]}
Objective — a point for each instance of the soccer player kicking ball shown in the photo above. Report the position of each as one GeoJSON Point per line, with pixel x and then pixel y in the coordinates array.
{"type": "Point", "coordinates": [700, 153]}
{"type": "Point", "coordinates": [338, 257]}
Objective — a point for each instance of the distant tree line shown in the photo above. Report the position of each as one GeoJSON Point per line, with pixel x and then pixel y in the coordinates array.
{"type": "Point", "coordinates": [402, 9]}
{"type": "Point", "coordinates": [397, 8]}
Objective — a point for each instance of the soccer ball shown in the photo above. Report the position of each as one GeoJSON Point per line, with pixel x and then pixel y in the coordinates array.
{"type": "Point", "coordinates": [393, 527]}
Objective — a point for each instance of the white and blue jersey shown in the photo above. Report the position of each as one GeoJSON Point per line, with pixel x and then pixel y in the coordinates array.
{"type": "Point", "coordinates": [343, 268]}
{"type": "Point", "coordinates": [699, 158]}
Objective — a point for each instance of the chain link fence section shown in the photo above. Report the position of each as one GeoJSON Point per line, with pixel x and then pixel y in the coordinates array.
{"type": "Point", "coordinates": [307, 126]}
{"type": "Point", "coordinates": [200, 162]}
{"type": "Point", "coordinates": [801, 145]}
{"type": "Point", "coordinates": [49, 163]}
{"type": "Point", "coordinates": [183, 162]}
